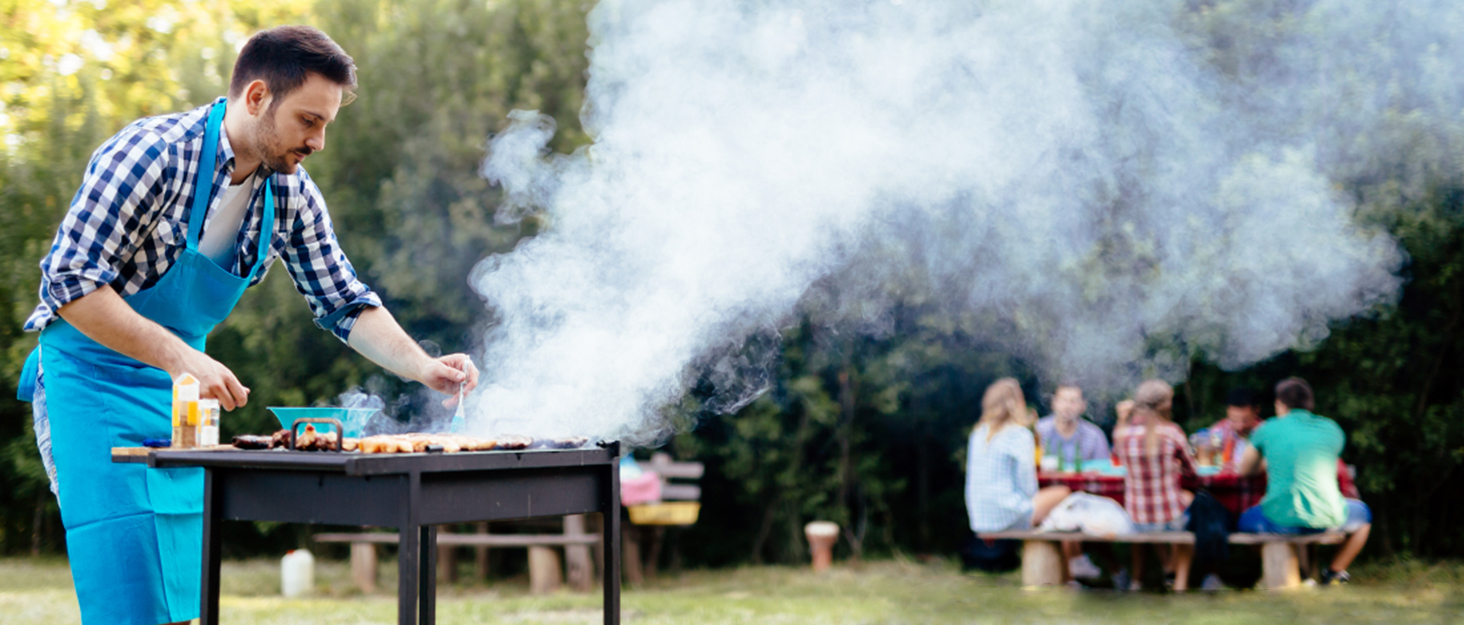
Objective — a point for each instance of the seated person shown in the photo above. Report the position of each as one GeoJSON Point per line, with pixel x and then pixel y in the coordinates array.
{"type": "Point", "coordinates": [1066, 434]}
{"type": "Point", "coordinates": [1299, 452]}
{"type": "Point", "coordinates": [1242, 416]}
{"type": "Point", "coordinates": [1157, 455]}
{"type": "Point", "coordinates": [1001, 466]}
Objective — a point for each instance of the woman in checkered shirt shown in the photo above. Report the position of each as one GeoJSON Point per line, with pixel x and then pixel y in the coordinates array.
{"type": "Point", "coordinates": [1001, 465]}
{"type": "Point", "coordinates": [1157, 455]}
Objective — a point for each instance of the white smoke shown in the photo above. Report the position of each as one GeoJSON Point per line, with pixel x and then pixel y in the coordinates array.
{"type": "Point", "coordinates": [1116, 185]}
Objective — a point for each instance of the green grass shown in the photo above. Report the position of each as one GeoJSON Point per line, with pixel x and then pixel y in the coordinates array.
{"type": "Point", "coordinates": [889, 592]}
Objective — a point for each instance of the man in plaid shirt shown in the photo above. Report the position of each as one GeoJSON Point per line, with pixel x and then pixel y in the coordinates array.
{"type": "Point", "coordinates": [176, 216]}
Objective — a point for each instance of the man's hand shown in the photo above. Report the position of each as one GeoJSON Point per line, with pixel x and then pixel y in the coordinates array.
{"type": "Point", "coordinates": [448, 373]}
{"type": "Point", "coordinates": [379, 338]}
{"type": "Point", "coordinates": [104, 317]}
{"type": "Point", "coordinates": [215, 381]}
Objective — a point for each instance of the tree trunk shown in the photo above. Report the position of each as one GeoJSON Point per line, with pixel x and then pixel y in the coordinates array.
{"type": "Point", "coordinates": [922, 481]}
{"type": "Point", "coordinates": [769, 515]}
{"type": "Point", "coordinates": [846, 462]}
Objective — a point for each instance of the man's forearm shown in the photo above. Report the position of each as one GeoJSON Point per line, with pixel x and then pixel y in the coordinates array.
{"type": "Point", "coordinates": [104, 317]}
{"type": "Point", "coordinates": [379, 338]}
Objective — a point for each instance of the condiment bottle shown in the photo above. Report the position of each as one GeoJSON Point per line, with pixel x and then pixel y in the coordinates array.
{"type": "Point", "coordinates": [208, 422]}
{"type": "Point", "coordinates": [185, 412]}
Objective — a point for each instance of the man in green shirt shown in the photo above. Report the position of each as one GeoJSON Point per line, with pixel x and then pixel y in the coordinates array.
{"type": "Point", "coordinates": [1298, 450]}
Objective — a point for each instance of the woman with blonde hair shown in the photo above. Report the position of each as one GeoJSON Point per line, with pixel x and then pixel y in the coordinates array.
{"type": "Point", "coordinates": [1001, 465]}
{"type": "Point", "coordinates": [1156, 454]}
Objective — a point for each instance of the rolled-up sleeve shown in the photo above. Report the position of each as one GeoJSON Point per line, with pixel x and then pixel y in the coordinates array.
{"type": "Point", "coordinates": [115, 205]}
{"type": "Point", "coordinates": [320, 269]}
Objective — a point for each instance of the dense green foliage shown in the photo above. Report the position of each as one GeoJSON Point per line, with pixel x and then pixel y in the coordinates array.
{"type": "Point", "coordinates": [866, 430]}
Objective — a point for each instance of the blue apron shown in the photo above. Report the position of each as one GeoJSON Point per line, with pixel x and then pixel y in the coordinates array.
{"type": "Point", "coordinates": [135, 535]}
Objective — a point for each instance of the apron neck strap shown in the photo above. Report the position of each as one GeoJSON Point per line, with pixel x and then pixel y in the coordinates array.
{"type": "Point", "coordinates": [266, 228]}
{"type": "Point", "coordinates": [203, 184]}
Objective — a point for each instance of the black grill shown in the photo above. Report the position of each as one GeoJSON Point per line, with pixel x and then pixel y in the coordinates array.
{"type": "Point", "coordinates": [411, 492]}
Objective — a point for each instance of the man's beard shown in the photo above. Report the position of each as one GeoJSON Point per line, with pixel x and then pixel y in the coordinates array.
{"type": "Point", "coordinates": [267, 143]}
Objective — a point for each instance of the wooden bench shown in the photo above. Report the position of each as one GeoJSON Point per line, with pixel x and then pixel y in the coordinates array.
{"type": "Point", "coordinates": [544, 569]}
{"type": "Point", "coordinates": [1282, 555]}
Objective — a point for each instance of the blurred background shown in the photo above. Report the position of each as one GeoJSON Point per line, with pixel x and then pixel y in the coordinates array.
{"type": "Point", "coordinates": [867, 431]}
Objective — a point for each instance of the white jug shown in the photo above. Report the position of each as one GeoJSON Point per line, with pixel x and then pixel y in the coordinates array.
{"type": "Point", "coordinates": [297, 573]}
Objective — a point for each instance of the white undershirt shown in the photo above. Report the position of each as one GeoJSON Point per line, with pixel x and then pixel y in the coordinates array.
{"type": "Point", "coordinates": [222, 229]}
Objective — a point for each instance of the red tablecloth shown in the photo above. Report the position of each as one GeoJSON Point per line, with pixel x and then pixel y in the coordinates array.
{"type": "Point", "coordinates": [1234, 492]}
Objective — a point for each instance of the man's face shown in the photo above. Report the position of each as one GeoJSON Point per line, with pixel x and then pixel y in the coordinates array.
{"type": "Point", "coordinates": [1067, 402]}
{"type": "Point", "coordinates": [290, 129]}
{"type": "Point", "coordinates": [1243, 419]}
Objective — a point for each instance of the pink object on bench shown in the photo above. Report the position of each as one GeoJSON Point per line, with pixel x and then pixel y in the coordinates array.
{"type": "Point", "coordinates": [645, 488]}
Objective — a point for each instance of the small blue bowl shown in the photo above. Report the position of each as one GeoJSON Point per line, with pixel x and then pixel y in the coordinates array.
{"type": "Point", "coordinates": [352, 419]}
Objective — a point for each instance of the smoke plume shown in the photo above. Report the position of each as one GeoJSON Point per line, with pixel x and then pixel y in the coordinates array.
{"type": "Point", "coordinates": [1115, 185]}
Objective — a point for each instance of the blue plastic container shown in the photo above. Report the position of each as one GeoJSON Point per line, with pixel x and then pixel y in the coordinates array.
{"type": "Point", "coordinates": [352, 419]}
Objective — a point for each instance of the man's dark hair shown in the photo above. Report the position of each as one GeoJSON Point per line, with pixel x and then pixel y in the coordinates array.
{"type": "Point", "coordinates": [1294, 393]}
{"type": "Point", "coordinates": [1242, 397]}
{"type": "Point", "coordinates": [285, 56]}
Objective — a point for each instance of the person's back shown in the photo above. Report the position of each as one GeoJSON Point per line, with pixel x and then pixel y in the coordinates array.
{"type": "Point", "coordinates": [1301, 451]}
{"type": "Point", "coordinates": [1151, 486]}
{"type": "Point", "coordinates": [1001, 479]}
{"type": "Point", "coordinates": [1156, 454]}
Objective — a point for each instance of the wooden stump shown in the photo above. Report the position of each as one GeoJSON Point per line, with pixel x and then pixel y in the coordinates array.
{"type": "Point", "coordinates": [577, 564]}
{"type": "Point", "coordinates": [1042, 563]}
{"type": "Point", "coordinates": [1279, 566]}
{"type": "Point", "coordinates": [544, 573]}
{"type": "Point", "coordinates": [363, 566]}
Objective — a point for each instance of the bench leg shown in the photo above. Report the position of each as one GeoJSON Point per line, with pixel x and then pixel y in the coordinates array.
{"type": "Point", "coordinates": [1279, 566]}
{"type": "Point", "coordinates": [544, 574]}
{"type": "Point", "coordinates": [1042, 563]}
{"type": "Point", "coordinates": [447, 564]}
{"type": "Point", "coordinates": [577, 562]}
{"type": "Point", "coordinates": [480, 556]}
{"type": "Point", "coordinates": [363, 566]}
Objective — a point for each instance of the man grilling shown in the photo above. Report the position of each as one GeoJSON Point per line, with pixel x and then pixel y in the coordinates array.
{"type": "Point", "coordinates": [175, 217]}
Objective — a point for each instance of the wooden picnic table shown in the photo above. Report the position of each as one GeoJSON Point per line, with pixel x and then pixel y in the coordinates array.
{"type": "Point", "coordinates": [1232, 490]}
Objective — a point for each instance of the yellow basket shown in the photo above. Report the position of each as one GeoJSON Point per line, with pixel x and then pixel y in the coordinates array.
{"type": "Point", "coordinates": [673, 513]}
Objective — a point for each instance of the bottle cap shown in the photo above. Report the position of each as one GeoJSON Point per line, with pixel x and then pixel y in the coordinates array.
{"type": "Point", "coordinates": [186, 388]}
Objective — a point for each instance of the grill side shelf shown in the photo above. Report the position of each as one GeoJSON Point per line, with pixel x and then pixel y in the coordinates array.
{"type": "Point", "coordinates": [314, 461]}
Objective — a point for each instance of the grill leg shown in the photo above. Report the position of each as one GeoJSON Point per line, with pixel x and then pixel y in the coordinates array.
{"type": "Point", "coordinates": [428, 573]}
{"type": "Point", "coordinates": [408, 559]}
{"type": "Point", "coordinates": [209, 611]}
{"type": "Point", "coordinates": [610, 526]}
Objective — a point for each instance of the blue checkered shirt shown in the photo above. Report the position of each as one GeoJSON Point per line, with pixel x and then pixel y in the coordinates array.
{"type": "Point", "coordinates": [129, 222]}
{"type": "Point", "coordinates": [1001, 479]}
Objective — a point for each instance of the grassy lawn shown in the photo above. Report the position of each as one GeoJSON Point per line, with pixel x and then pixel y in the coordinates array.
{"type": "Point", "coordinates": [894, 592]}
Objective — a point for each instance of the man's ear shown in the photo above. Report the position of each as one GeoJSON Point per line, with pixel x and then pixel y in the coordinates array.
{"type": "Point", "coordinates": [256, 97]}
